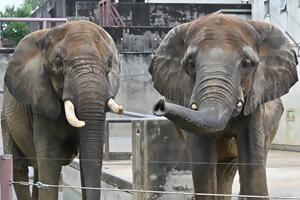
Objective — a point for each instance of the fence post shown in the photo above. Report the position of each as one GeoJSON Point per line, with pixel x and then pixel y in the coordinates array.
{"type": "Point", "coordinates": [44, 24]}
{"type": "Point", "coordinates": [6, 167]}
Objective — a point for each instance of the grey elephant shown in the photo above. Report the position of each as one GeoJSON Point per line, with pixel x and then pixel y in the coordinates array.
{"type": "Point", "coordinates": [58, 85]}
{"type": "Point", "coordinates": [223, 77]}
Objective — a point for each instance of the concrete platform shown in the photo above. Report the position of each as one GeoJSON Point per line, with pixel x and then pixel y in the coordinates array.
{"type": "Point", "coordinates": [283, 174]}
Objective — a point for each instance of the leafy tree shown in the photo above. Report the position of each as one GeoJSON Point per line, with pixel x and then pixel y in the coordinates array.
{"type": "Point", "coordinates": [15, 31]}
{"type": "Point", "coordinates": [33, 3]}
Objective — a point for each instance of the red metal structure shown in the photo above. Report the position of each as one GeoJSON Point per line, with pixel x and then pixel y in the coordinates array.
{"type": "Point", "coordinates": [109, 15]}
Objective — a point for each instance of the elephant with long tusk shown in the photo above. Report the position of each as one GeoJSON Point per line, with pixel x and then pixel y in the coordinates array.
{"type": "Point", "coordinates": [59, 84]}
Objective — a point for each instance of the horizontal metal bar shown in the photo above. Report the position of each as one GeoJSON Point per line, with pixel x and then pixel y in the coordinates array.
{"type": "Point", "coordinates": [236, 11]}
{"type": "Point", "coordinates": [138, 115]}
{"type": "Point", "coordinates": [7, 50]}
{"type": "Point", "coordinates": [11, 50]}
{"type": "Point", "coordinates": [132, 53]}
{"type": "Point", "coordinates": [119, 120]}
{"type": "Point", "coordinates": [29, 19]}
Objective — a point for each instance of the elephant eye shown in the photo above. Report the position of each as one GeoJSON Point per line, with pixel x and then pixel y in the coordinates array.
{"type": "Point", "coordinates": [248, 63]}
{"type": "Point", "coordinates": [59, 62]}
{"type": "Point", "coordinates": [191, 64]}
{"type": "Point", "coordinates": [189, 67]}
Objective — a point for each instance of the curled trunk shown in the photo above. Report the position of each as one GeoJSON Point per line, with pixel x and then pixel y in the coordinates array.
{"type": "Point", "coordinates": [212, 103]}
{"type": "Point", "coordinates": [208, 120]}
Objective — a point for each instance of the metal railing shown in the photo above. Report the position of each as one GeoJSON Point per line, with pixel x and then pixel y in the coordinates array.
{"type": "Point", "coordinates": [133, 116]}
{"type": "Point", "coordinates": [234, 11]}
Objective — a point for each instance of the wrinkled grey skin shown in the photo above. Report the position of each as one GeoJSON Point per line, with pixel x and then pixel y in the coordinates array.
{"type": "Point", "coordinates": [234, 72]}
{"type": "Point", "coordinates": [77, 61]}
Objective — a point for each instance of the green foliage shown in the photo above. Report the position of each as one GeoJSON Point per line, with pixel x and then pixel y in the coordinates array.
{"type": "Point", "coordinates": [33, 3]}
{"type": "Point", "coordinates": [15, 31]}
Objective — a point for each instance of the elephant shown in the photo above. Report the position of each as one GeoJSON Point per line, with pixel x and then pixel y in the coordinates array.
{"type": "Point", "coordinates": [58, 86]}
{"type": "Point", "coordinates": [222, 78]}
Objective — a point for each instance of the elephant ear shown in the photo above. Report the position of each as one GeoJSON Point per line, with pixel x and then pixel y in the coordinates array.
{"type": "Point", "coordinates": [276, 72]}
{"type": "Point", "coordinates": [113, 63]}
{"type": "Point", "coordinates": [166, 68]}
{"type": "Point", "coordinates": [26, 78]}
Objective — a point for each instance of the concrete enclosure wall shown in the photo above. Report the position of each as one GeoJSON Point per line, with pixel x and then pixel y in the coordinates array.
{"type": "Point", "coordinates": [169, 15]}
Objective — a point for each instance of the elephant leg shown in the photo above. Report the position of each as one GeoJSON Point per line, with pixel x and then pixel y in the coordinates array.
{"type": "Point", "coordinates": [226, 171]}
{"type": "Point", "coordinates": [49, 173]}
{"type": "Point", "coordinates": [252, 159]}
{"type": "Point", "coordinates": [49, 156]}
{"type": "Point", "coordinates": [35, 191]}
{"type": "Point", "coordinates": [20, 173]}
{"type": "Point", "coordinates": [20, 167]}
{"type": "Point", "coordinates": [203, 156]}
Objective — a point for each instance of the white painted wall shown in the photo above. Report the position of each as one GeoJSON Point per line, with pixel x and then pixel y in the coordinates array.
{"type": "Point", "coordinates": [289, 20]}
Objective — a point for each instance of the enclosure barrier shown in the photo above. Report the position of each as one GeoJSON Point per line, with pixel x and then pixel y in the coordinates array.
{"type": "Point", "coordinates": [46, 186]}
{"type": "Point", "coordinates": [28, 19]}
{"type": "Point", "coordinates": [118, 121]}
{"type": "Point", "coordinates": [7, 182]}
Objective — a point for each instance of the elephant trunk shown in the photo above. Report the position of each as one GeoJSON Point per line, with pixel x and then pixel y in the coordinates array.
{"type": "Point", "coordinates": [90, 98]}
{"type": "Point", "coordinates": [206, 121]}
{"type": "Point", "coordinates": [212, 105]}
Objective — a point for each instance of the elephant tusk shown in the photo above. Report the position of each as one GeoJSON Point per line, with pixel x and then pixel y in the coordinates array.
{"type": "Point", "coordinates": [239, 104]}
{"type": "Point", "coordinates": [194, 106]}
{"type": "Point", "coordinates": [70, 115]}
{"type": "Point", "coordinates": [114, 107]}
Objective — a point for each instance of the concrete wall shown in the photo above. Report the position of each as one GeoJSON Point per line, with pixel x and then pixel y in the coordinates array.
{"type": "Point", "coordinates": [169, 15]}
{"type": "Point", "coordinates": [136, 92]}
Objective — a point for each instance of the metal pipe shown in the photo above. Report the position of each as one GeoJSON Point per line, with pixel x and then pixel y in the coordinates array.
{"type": "Point", "coordinates": [29, 19]}
{"type": "Point", "coordinates": [138, 115]}
{"type": "Point", "coordinates": [129, 120]}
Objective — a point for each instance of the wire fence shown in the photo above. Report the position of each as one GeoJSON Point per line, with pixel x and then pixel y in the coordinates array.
{"type": "Point", "coordinates": [41, 185]}
{"type": "Point", "coordinates": [45, 186]}
{"type": "Point", "coordinates": [127, 162]}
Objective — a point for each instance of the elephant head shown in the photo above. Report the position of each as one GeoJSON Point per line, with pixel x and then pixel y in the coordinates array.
{"type": "Point", "coordinates": [71, 70]}
{"type": "Point", "coordinates": [219, 67]}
